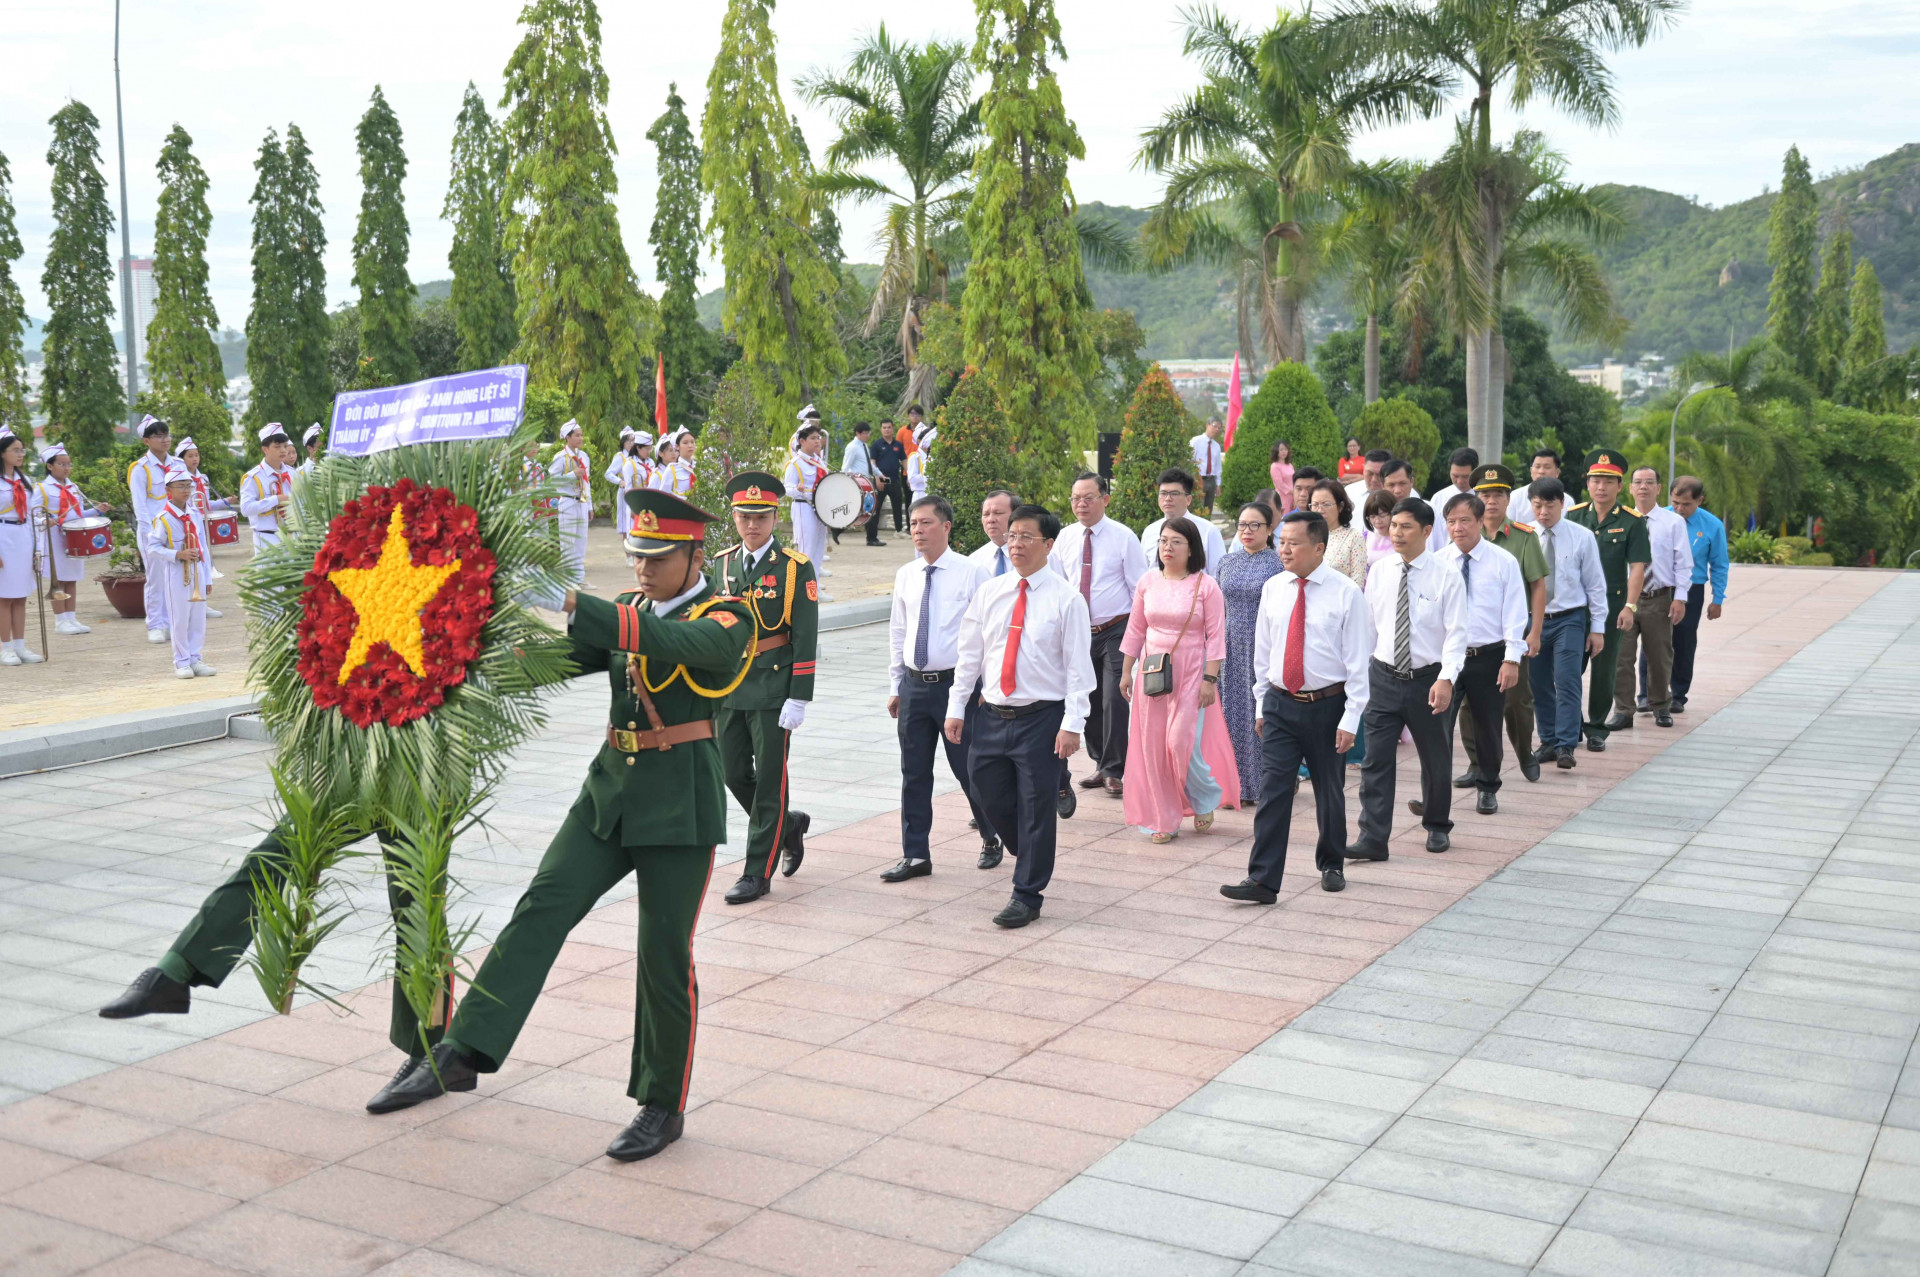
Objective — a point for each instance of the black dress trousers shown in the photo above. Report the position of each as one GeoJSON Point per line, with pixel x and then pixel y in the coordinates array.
{"type": "Point", "coordinates": [1479, 687]}
{"type": "Point", "coordinates": [1292, 732]}
{"type": "Point", "coordinates": [1016, 774]}
{"type": "Point", "coordinates": [922, 728]}
{"type": "Point", "coordinates": [1395, 703]}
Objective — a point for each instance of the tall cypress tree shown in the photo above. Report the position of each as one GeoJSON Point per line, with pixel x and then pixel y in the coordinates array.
{"type": "Point", "coordinates": [80, 386]}
{"type": "Point", "coordinates": [780, 289]}
{"type": "Point", "coordinates": [1793, 235]}
{"type": "Point", "coordinates": [13, 317]}
{"type": "Point", "coordinates": [271, 318]}
{"type": "Point", "coordinates": [1866, 382]}
{"type": "Point", "coordinates": [482, 267]}
{"type": "Point", "coordinates": [1830, 308]}
{"type": "Point", "coordinates": [584, 326]}
{"type": "Point", "coordinates": [380, 251]}
{"type": "Point", "coordinates": [1025, 308]}
{"type": "Point", "coordinates": [312, 331]}
{"type": "Point", "coordinates": [675, 236]}
{"type": "Point", "coordinates": [182, 358]}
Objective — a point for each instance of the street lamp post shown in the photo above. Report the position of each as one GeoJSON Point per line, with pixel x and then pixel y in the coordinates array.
{"type": "Point", "coordinates": [1673, 428]}
{"type": "Point", "coordinates": [126, 238]}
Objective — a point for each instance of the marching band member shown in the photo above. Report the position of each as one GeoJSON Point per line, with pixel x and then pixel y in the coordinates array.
{"type": "Point", "coordinates": [147, 485]}
{"type": "Point", "coordinates": [644, 466]}
{"type": "Point", "coordinates": [268, 487]}
{"type": "Point", "coordinates": [201, 499]}
{"type": "Point", "coordinates": [62, 501]}
{"type": "Point", "coordinates": [804, 473]}
{"type": "Point", "coordinates": [16, 552]}
{"type": "Point", "coordinates": [923, 438]}
{"type": "Point", "coordinates": [178, 546]}
{"type": "Point", "coordinates": [620, 470]}
{"type": "Point", "coordinates": [675, 470]}
{"type": "Point", "coordinates": [570, 465]}
{"type": "Point", "coordinates": [311, 442]}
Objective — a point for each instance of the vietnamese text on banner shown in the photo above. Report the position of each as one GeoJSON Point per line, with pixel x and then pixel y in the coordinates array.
{"type": "Point", "coordinates": [466, 406]}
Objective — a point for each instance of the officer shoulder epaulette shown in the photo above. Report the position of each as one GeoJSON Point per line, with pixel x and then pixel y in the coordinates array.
{"type": "Point", "coordinates": [1633, 511]}
{"type": "Point", "coordinates": [1583, 505]}
{"type": "Point", "coordinates": [1523, 527]}
{"type": "Point", "coordinates": [738, 545]}
{"type": "Point", "coordinates": [794, 554]}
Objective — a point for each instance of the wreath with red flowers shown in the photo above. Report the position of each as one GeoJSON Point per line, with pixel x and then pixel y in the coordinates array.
{"type": "Point", "coordinates": [393, 547]}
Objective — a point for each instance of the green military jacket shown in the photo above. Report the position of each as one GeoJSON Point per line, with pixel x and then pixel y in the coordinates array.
{"type": "Point", "coordinates": [1623, 540]}
{"type": "Point", "coordinates": [785, 599]}
{"type": "Point", "coordinates": [1522, 541]}
{"type": "Point", "coordinates": [689, 659]}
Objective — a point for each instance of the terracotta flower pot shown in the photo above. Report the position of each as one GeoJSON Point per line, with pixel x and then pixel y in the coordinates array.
{"type": "Point", "coordinates": [128, 594]}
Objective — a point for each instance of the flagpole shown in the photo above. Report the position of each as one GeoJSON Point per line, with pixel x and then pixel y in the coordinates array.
{"type": "Point", "coordinates": [126, 237]}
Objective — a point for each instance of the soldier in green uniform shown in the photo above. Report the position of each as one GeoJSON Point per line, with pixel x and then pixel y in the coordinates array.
{"type": "Point", "coordinates": [653, 806]}
{"type": "Point", "coordinates": [1625, 551]}
{"type": "Point", "coordinates": [757, 718]}
{"type": "Point", "coordinates": [1494, 485]}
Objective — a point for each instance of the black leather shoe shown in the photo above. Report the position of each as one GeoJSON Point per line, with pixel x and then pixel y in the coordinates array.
{"type": "Point", "coordinates": [1066, 804]}
{"type": "Point", "coordinates": [1095, 781]}
{"type": "Point", "coordinates": [1487, 803]}
{"type": "Point", "coordinates": [1357, 852]}
{"type": "Point", "coordinates": [991, 852]}
{"type": "Point", "coordinates": [428, 1078]}
{"type": "Point", "coordinates": [1640, 706]}
{"type": "Point", "coordinates": [1417, 807]}
{"type": "Point", "coordinates": [153, 992]}
{"type": "Point", "coordinates": [1596, 742]}
{"type": "Point", "coordinates": [1466, 779]}
{"type": "Point", "coordinates": [1437, 840]}
{"type": "Point", "coordinates": [907, 869]}
{"type": "Point", "coordinates": [1333, 880]}
{"type": "Point", "coordinates": [1679, 707]}
{"type": "Point", "coordinates": [382, 1095]}
{"type": "Point", "coordinates": [1250, 892]}
{"type": "Point", "coordinates": [1620, 722]}
{"type": "Point", "coordinates": [1530, 767]}
{"type": "Point", "coordinates": [1016, 914]}
{"type": "Point", "coordinates": [876, 543]}
{"type": "Point", "coordinates": [1563, 758]}
{"type": "Point", "coordinates": [1663, 720]}
{"type": "Point", "coordinates": [973, 824]}
{"type": "Point", "coordinates": [795, 842]}
{"type": "Point", "coordinates": [747, 890]}
{"type": "Point", "coordinates": [651, 1130]}
{"type": "Point", "coordinates": [1546, 754]}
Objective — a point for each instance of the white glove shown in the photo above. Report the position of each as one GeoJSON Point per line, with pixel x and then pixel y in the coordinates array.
{"type": "Point", "coordinates": [792, 714]}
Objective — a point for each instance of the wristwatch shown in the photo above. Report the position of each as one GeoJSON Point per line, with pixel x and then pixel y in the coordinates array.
{"type": "Point", "coordinates": [1209, 678]}
{"type": "Point", "coordinates": [1633, 607]}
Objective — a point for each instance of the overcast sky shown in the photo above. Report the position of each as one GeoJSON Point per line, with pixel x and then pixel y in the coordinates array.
{"type": "Point", "coordinates": [1707, 110]}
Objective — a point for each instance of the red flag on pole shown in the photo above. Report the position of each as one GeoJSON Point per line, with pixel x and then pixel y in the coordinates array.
{"type": "Point", "coordinates": [660, 395]}
{"type": "Point", "coordinates": [1233, 399]}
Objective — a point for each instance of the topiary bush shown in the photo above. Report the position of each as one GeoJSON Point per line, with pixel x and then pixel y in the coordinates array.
{"type": "Point", "coordinates": [1290, 405]}
{"type": "Point", "coordinates": [1754, 547]}
{"type": "Point", "coordinates": [1157, 435]}
{"type": "Point", "coordinates": [1403, 428]}
{"type": "Point", "coordinates": [971, 457]}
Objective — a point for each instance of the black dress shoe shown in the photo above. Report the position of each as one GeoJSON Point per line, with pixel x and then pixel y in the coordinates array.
{"type": "Point", "coordinates": [991, 850]}
{"type": "Point", "coordinates": [1679, 707]}
{"type": "Point", "coordinates": [1333, 880]}
{"type": "Point", "coordinates": [1487, 803]}
{"type": "Point", "coordinates": [153, 992]}
{"type": "Point", "coordinates": [1563, 758]}
{"type": "Point", "coordinates": [382, 1095]}
{"type": "Point", "coordinates": [1596, 743]}
{"type": "Point", "coordinates": [651, 1130]}
{"type": "Point", "coordinates": [1016, 914]}
{"type": "Point", "coordinates": [1116, 788]}
{"type": "Point", "coordinates": [1663, 720]}
{"type": "Point", "coordinates": [1437, 840]}
{"type": "Point", "coordinates": [794, 842]}
{"type": "Point", "coordinates": [428, 1078]}
{"type": "Point", "coordinates": [1466, 779]}
{"type": "Point", "coordinates": [1066, 804]}
{"type": "Point", "coordinates": [907, 869]}
{"type": "Point", "coordinates": [1530, 767]}
{"type": "Point", "coordinates": [1358, 852]}
{"type": "Point", "coordinates": [1095, 781]}
{"type": "Point", "coordinates": [973, 823]}
{"type": "Point", "coordinates": [1417, 807]}
{"type": "Point", "coordinates": [747, 890]}
{"type": "Point", "coordinates": [876, 543]}
{"type": "Point", "coordinates": [1250, 892]}
{"type": "Point", "coordinates": [1640, 706]}
{"type": "Point", "coordinates": [1619, 722]}
{"type": "Point", "coordinates": [1546, 753]}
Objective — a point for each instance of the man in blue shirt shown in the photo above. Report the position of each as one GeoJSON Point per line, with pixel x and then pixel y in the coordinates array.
{"type": "Point", "coordinates": [890, 459]}
{"type": "Point", "coordinates": [1707, 537]}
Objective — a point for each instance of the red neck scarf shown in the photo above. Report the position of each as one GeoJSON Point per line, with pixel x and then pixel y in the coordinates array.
{"type": "Point", "coordinates": [19, 486]}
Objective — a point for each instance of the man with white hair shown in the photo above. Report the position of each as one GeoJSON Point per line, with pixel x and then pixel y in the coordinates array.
{"type": "Point", "coordinates": [571, 467]}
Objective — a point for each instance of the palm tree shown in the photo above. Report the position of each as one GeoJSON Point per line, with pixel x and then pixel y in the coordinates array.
{"type": "Point", "coordinates": [910, 104]}
{"type": "Point", "coordinates": [1732, 436]}
{"type": "Point", "coordinates": [1537, 49]}
{"type": "Point", "coordinates": [1254, 156]}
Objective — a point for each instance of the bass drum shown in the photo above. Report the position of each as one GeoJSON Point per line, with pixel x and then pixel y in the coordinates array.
{"type": "Point", "coordinates": [845, 500]}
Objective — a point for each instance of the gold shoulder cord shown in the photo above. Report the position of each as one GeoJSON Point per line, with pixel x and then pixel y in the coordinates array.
{"type": "Point", "coordinates": [680, 671]}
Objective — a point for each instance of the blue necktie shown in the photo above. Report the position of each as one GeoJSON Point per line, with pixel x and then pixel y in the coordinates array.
{"type": "Point", "coordinates": [926, 623]}
{"type": "Point", "coordinates": [1000, 560]}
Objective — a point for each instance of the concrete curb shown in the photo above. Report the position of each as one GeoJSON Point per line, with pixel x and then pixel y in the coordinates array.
{"type": "Point", "coordinates": [855, 612]}
{"type": "Point", "coordinates": [92, 740]}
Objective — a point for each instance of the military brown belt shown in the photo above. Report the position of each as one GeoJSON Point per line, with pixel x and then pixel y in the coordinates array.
{"type": "Point", "coordinates": [768, 642]}
{"type": "Point", "coordinates": [664, 739]}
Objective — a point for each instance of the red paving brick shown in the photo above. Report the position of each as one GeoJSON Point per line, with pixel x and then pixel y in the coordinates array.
{"type": "Point", "coordinates": [884, 1080]}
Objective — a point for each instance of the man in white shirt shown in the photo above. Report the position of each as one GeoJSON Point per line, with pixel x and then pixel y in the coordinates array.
{"type": "Point", "coordinates": [930, 597]}
{"type": "Point", "coordinates": [1207, 456]}
{"type": "Point", "coordinates": [1460, 468]}
{"type": "Point", "coordinates": [1497, 616]}
{"type": "Point", "coordinates": [1544, 464]}
{"type": "Point", "coordinates": [1419, 611]}
{"type": "Point", "coordinates": [1663, 603]}
{"type": "Point", "coordinates": [1102, 561]}
{"type": "Point", "coordinates": [571, 467]}
{"type": "Point", "coordinates": [1176, 502]}
{"type": "Point", "coordinates": [858, 459]}
{"type": "Point", "coordinates": [147, 485]}
{"type": "Point", "coordinates": [1369, 480]}
{"type": "Point", "coordinates": [996, 511]}
{"type": "Point", "coordinates": [1576, 620]}
{"type": "Point", "coordinates": [1023, 642]}
{"type": "Point", "coordinates": [1311, 641]}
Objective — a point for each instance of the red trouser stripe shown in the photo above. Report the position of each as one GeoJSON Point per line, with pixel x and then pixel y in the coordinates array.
{"type": "Point", "coordinates": [780, 821]}
{"type": "Point", "coordinates": [693, 988]}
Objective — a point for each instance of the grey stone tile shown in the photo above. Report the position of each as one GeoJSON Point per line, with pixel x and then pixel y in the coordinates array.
{"type": "Point", "coordinates": [1578, 1252]}
{"type": "Point", "coordinates": [1297, 1042]}
{"type": "Point", "coordinates": [1319, 1251]}
{"type": "Point", "coordinates": [1168, 1218]}
{"type": "Point", "coordinates": [1620, 1099]}
{"type": "Point", "coordinates": [1319, 1081]}
{"type": "Point", "coordinates": [1744, 1155]}
{"type": "Point", "coordinates": [1058, 1248]}
{"type": "Point", "coordinates": [1752, 1196]}
{"type": "Point", "coordinates": [1333, 1021]}
{"type": "Point", "coordinates": [1523, 1117]}
{"type": "Point", "coordinates": [1682, 1227]}
{"type": "Point", "coordinates": [1581, 1061]}
{"type": "Point", "coordinates": [1746, 1001]}
{"type": "Point", "coordinates": [1775, 1033]}
{"type": "Point", "coordinates": [117, 1041]}
{"type": "Point", "coordinates": [1541, 1159]}
{"type": "Point", "coordinates": [1618, 1011]}
{"type": "Point", "coordinates": [1548, 1201]}
{"type": "Point", "coordinates": [1736, 1117]}
{"type": "Point", "coordinates": [1450, 1012]}
{"type": "Point", "coordinates": [26, 1067]}
{"type": "Point", "coordinates": [1215, 1179]}
{"type": "Point", "coordinates": [1779, 1092]}
{"type": "Point", "coordinates": [1259, 1146]}
{"type": "Point", "coordinates": [1322, 1118]}
{"type": "Point", "coordinates": [1806, 1065]}
{"type": "Point", "coordinates": [1573, 1031]}
{"type": "Point", "coordinates": [1481, 1234]}
{"type": "Point", "coordinates": [1881, 1238]}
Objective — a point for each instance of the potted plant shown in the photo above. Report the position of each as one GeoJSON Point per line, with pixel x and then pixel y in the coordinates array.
{"type": "Point", "coordinates": [125, 577]}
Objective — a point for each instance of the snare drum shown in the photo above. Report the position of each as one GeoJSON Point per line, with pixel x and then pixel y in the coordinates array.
{"type": "Point", "coordinates": [84, 538]}
{"type": "Point", "coordinates": [845, 500]}
{"type": "Point", "coordinates": [223, 527]}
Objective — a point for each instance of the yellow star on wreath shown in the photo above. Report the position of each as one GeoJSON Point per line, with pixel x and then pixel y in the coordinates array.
{"type": "Point", "coordinates": [388, 598]}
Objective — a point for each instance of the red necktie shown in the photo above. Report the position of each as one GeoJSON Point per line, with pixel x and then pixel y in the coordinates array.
{"type": "Point", "coordinates": [1293, 666]}
{"type": "Point", "coordinates": [1011, 661]}
{"type": "Point", "coordinates": [279, 483]}
{"type": "Point", "coordinates": [19, 496]}
{"type": "Point", "coordinates": [1086, 569]}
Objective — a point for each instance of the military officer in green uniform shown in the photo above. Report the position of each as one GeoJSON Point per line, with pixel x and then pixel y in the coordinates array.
{"type": "Point", "coordinates": [757, 718]}
{"type": "Point", "coordinates": [652, 806]}
{"type": "Point", "coordinates": [1494, 485]}
{"type": "Point", "coordinates": [1625, 552]}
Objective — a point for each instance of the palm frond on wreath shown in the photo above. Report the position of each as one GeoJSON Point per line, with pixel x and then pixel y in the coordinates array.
{"type": "Point", "coordinates": [293, 908]}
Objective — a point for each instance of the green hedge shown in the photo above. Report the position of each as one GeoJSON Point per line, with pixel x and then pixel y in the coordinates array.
{"type": "Point", "coordinates": [1290, 405]}
{"type": "Point", "coordinates": [1158, 436]}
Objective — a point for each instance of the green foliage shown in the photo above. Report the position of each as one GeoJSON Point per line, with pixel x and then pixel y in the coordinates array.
{"type": "Point", "coordinates": [1290, 405]}
{"type": "Point", "coordinates": [675, 236]}
{"type": "Point", "coordinates": [419, 864]}
{"type": "Point", "coordinates": [294, 906]}
{"type": "Point", "coordinates": [1861, 478]}
{"type": "Point", "coordinates": [585, 328]}
{"type": "Point", "coordinates": [972, 456]}
{"type": "Point", "coordinates": [1025, 306]}
{"type": "Point", "coordinates": [1830, 310]}
{"type": "Point", "coordinates": [1865, 382]}
{"type": "Point", "coordinates": [313, 386]}
{"type": "Point", "coordinates": [80, 390]}
{"type": "Point", "coordinates": [182, 359]}
{"type": "Point", "coordinates": [780, 288]}
{"type": "Point", "coordinates": [380, 252]}
{"type": "Point", "coordinates": [288, 331]}
{"type": "Point", "coordinates": [206, 422]}
{"type": "Point", "coordinates": [438, 348]}
{"type": "Point", "coordinates": [733, 439]}
{"type": "Point", "coordinates": [1793, 232]}
{"type": "Point", "coordinates": [1117, 338]}
{"type": "Point", "coordinates": [1405, 429]}
{"type": "Point", "coordinates": [482, 263]}
{"type": "Point", "coordinates": [13, 317]}
{"type": "Point", "coordinates": [1753, 547]}
{"type": "Point", "coordinates": [1156, 437]}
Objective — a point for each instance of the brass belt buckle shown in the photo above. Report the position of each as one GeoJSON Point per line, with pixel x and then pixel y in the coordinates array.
{"type": "Point", "coordinates": [626, 742]}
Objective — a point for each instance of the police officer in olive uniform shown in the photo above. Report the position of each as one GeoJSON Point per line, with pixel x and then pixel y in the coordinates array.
{"type": "Point", "coordinates": [1494, 484]}
{"type": "Point", "coordinates": [1625, 552]}
{"type": "Point", "coordinates": [653, 805]}
{"type": "Point", "coordinates": [757, 718]}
